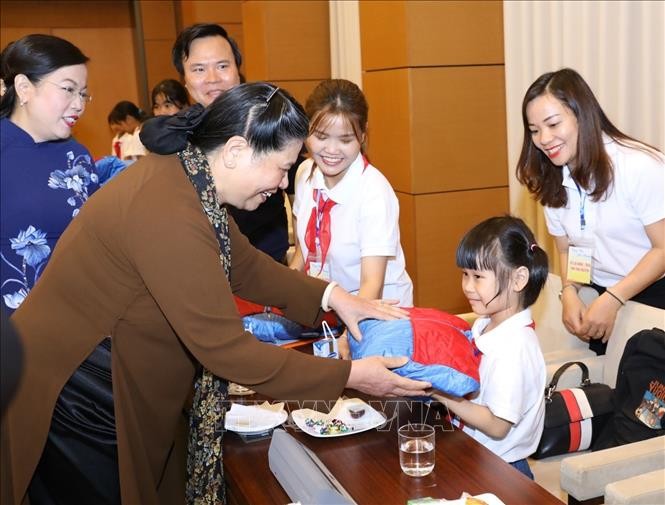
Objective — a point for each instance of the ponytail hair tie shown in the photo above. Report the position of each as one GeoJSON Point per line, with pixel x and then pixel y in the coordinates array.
{"type": "Point", "coordinates": [170, 134]}
{"type": "Point", "coordinates": [533, 246]}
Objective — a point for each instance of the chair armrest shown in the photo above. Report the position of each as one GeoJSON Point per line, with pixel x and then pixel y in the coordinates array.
{"type": "Point", "coordinates": [572, 377]}
{"type": "Point", "coordinates": [642, 489]}
{"type": "Point", "coordinates": [585, 476]}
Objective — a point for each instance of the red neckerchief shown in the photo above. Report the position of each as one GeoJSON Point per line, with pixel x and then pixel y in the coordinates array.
{"type": "Point", "coordinates": [318, 227]}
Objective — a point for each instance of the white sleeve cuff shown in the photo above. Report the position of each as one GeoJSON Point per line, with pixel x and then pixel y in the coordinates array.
{"type": "Point", "coordinates": [326, 296]}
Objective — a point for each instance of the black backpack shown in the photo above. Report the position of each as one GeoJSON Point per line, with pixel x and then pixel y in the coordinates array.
{"type": "Point", "coordinates": [639, 398]}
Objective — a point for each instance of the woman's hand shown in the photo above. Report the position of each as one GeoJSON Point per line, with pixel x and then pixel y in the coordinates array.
{"type": "Point", "coordinates": [573, 312]}
{"type": "Point", "coordinates": [372, 376]}
{"type": "Point", "coordinates": [600, 317]}
{"type": "Point", "coordinates": [353, 309]}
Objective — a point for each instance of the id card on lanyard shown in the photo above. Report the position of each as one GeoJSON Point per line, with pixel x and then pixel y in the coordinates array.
{"type": "Point", "coordinates": [580, 253]}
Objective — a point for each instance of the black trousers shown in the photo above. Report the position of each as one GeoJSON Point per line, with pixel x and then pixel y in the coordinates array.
{"type": "Point", "coordinates": [653, 296]}
{"type": "Point", "coordinates": [79, 464]}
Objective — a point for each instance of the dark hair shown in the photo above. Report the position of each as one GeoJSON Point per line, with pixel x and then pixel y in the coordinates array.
{"type": "Point", "coordinates": [183, 42]}
{"type": "Point", "coordinates": [123, 109]}
{"type": "Point", "coordinates": [34, 56]}
{"type": "Point", "coordinates": [174, 92]}
{"type": "Point", "coordinates": [338, 97]}
{"type": "Point", "coordinates": [593, 168]}
{"type": "Point", "coordinates": [502, 244]}
{"type": "Point", "coordinates": [266, 116]}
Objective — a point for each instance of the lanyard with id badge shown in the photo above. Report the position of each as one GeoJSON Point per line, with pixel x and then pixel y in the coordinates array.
{"type": "Point", "coordinates": [580, 252]}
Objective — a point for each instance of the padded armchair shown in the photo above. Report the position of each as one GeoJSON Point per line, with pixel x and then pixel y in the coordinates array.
{"type": "Point", "coordinates": [625, 474]}
{"type": "Point", "coordinates": [583, 476]}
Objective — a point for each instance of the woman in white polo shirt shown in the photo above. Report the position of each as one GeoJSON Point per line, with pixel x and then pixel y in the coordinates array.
{"type": "Point", "coordinates": [346, 212]}
{"type": "Point", "coordinates": [603, 193]}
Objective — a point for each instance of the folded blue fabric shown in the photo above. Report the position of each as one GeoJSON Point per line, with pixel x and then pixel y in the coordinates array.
{"type": "Point", "coordinates": [108, 167]}
{"type": "Point", "coordinates": [271, 327]}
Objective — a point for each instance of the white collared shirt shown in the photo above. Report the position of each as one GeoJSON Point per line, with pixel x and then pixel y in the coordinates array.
{"type": "Point", "coordinates": [512, 384]}
{"type": "Point", "coordinates": [614, 225]}
{"type": "Point", "coordinates": [365, 222]}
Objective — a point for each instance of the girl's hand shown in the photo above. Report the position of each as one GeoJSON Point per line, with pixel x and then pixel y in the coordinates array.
{"type": "Point", "coordinates": [353, 309]}
{"type": "Point", "coordinates": [373, 376]}
{"type": "Point", "coordinates": [600, 317]}
{"type": "Point", "coordinates": [573, 312]}
{"type": "Point", "coordinates": [343, 346]}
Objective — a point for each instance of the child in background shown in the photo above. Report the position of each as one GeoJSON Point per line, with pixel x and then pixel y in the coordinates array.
{"type": "Point", "coordinates": [503, 272]}
{"type": "Point", "coordinates": [126, 119]}
{"type": "Point", "coordinates": [169, 97]}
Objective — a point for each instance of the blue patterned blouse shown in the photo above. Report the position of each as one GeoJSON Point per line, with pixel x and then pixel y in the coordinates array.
{"type": "Point", "coordinates": [42, 187]}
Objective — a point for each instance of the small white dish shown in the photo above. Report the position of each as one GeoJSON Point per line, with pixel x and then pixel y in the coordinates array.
{"type": "Point", "coordinates": [369, 420]}
{"type": "Point", "coordinates": [254, 419]}
{"type": "Point", "coordinates": [238, 390]}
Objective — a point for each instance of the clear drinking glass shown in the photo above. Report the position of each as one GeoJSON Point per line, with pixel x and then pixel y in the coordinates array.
{"type": "Point", "coordinates": [416, 449]}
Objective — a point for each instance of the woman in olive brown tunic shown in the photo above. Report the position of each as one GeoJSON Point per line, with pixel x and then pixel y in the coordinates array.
{"type": "Point", "coordinates": [153, 262]}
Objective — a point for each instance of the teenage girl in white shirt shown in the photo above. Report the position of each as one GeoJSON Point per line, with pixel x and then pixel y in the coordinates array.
{"type": "Point", "coordinates": [357, 244]}
{"type": "Point", "coordinates": [503, 272]}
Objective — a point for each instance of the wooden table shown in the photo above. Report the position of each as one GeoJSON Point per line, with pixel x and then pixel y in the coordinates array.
{"type": "Point", "coordinates": [367, 464]}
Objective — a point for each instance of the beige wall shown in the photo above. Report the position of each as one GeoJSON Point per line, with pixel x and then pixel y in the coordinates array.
{"type": "Point", "coordinates": [434, 79]}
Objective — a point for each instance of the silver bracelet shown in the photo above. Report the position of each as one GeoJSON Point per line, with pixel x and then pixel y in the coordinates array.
{"type": "Point", "coordinates": [326, 296]}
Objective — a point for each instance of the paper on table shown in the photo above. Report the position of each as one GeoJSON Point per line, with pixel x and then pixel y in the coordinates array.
{"type": "Point", "coordinates": [254, 418]}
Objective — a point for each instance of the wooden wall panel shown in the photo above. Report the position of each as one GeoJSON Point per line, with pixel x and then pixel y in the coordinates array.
{"type": "Point", "coordinates": [158, 18]}
{"type": "Point", "coordinates": [409, 33]}
{"type": "Point", "coordinates": [66, 13]}
{"type": "Point", "coordinates": [299, 89]}
{"type": "Point", "coordinates": [158, 62]}
{"type": "Point", "coordinates": [390, 141]}
{"type": "Point", "coordinates": [10, 33]}
{"type": "Point", "coordinates": [383, 34]}
{"type": "Point", "coordinates": [426, 126]}
{"type": "Point", "coordinates": [211, 11]}
{"type": "Point", "coordinates": [454, 33]}
{"type": "Point", "coordinates": [434, 79]}
{"type": "Point", "coordinates": [458, 128]}
{"type": "Point", "coordinates": [440, 222]}
{"type": "Point", "coordinates": [110, 79]}
{"type": "Point", "coordinates": [290, 40]}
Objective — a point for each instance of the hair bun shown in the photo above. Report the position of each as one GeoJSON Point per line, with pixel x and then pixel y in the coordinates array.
{"type": "Point", "coordinates": [170, 134]}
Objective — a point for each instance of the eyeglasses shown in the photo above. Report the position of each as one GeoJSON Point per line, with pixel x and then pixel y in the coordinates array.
{"type": "Point", "coordinates": [72, 92]}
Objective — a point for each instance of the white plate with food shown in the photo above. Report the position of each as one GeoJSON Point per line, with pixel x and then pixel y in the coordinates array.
{"type": "Point", "coordinates": [254, 419]}
{"type": "Point", "coordinates": [347, 417]}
